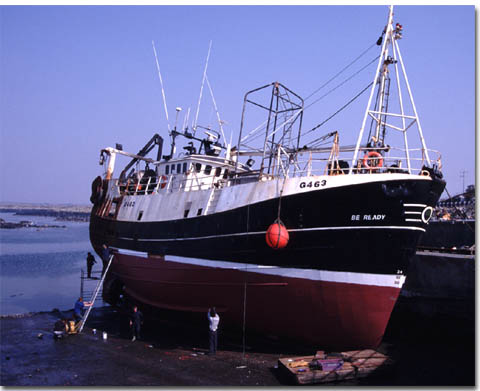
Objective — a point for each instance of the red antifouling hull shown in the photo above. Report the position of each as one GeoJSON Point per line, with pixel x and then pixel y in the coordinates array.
{"type": "Point", "coordinates": [307, 307]}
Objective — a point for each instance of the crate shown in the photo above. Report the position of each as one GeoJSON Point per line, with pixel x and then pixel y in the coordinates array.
{"type": "Point", "coordinates": [345, 366]}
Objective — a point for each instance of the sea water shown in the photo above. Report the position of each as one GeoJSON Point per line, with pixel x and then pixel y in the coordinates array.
{"type": "Point", "coordinates": [40, 268]}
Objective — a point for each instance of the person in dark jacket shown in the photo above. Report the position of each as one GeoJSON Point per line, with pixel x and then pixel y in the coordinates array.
{"type": "Point", "coordinates": [60, 328]}
{"type": "Point", "coordinates": [105, 257]}
{"type": "Point", "coordinates": [136, 323]}
{"type": "Point", "coordinates": [90, 262]}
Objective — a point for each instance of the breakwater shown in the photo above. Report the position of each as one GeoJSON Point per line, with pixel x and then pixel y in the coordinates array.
{"type": "Point", "coordinates": [60, 214]}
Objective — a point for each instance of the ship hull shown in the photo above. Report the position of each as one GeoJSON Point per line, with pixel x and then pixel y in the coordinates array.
{"type": "Point", "coordinates": [335, 284]}
{"type": "Point", "coordinates": [360, 228]}
{"type": "Point", "coordinates": [327, 309]}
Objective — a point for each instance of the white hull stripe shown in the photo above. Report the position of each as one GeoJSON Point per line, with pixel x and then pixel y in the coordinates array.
{"type": "Point", "coordinates": [134, 253]}
{"type": "Point", "coordinates": [386, 280]}
{"type": "Point", "coordinates": [290, 230]}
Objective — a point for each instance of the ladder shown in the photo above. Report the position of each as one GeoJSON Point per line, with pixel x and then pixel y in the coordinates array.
{"type": "Point", "coordinates": [94, 296]}
{"type": "Point", "coordinates": [212, 201]}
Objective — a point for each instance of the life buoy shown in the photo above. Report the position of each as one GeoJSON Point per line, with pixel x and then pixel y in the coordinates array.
{"type": "Point", "coordinates": [373, 157]}
{"type": "Point", "coordinates": [163, 182]}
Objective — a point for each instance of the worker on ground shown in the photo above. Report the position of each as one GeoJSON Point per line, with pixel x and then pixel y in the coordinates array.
{"type": "Point", "coordinates": [105, 257]}
{"type": "Point", "coordinates": [79, 307]}
{"type": "Point", "coordinates": [136, 323]}
{"type": "Point", "coordinates": [90, 262]}
{"type": "Point", "coordinates": [60, 329]}
{"type": "Point", "coordinates": [71, 326]}
{"type": "Point", "coordinates": [213, 320]}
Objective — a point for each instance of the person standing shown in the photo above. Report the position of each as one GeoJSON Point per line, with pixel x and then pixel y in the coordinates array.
{"type": "Point", "coordinates": [79, 307]}
{"type": "Point", "coordinates": [105, 257]}
{"type": "Point", "coordinates": [90, 262]}
{"type": "Point", "coordinates": [213, 320]}
{"type": "Point", "coordinates": [136, 323]}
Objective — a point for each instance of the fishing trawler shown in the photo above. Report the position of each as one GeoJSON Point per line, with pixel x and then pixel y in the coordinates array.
{"type": "Point", "coordinates": [306, 240]}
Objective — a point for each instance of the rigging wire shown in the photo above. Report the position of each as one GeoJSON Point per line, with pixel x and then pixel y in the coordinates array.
{"type": "Point", "coordinates": [343, 82]}
{"type": "Point", "coordinates": [327, 93]}
{"type": "Point", "coordinates": [339, 110]}
{"type": "Point", "coordinates": [340, 72]}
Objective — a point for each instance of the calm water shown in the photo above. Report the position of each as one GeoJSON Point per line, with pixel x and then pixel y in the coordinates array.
{"type": "Point", "coordinates": [40, 268]}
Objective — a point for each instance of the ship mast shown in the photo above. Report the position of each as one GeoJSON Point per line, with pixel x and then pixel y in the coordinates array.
{"type": "Point", "coordinates": [390, 55]}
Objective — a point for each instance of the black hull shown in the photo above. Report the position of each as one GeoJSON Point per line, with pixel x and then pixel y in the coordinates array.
{"type": "Point", "coordinates": [328, 229]}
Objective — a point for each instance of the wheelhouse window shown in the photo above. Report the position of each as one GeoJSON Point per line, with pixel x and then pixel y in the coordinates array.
{"type": "Point", "coordinates": [179, 168]}
{"type": "Point", "coordinates": [167, 169]}
{"type": "Point", "coordinates": [208, 170]}
{"type": "Point", "coordinates": [198, 167]}
{"type": "Point", "coordinates": [218, 171]}
{"type": "Point", "coordinates": [184, 170]}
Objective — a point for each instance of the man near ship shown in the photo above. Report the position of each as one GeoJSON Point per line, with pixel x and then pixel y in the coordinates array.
{"type": "Point", "coordinates": [136, 323]}
{"type": "Point", "coordinates": [213, 320]}
{"type": "Point", "coordinates": [60, 329]}
{"type": "Point", "coordinates": [105, 257]}
{"type": "Point", "coordinates": [90, 262]}
{"type": "Point", "coordinates": [78, 309]}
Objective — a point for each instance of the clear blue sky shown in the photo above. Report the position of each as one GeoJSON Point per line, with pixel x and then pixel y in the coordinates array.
{"type": "Point", "coordinates": [77, 79]}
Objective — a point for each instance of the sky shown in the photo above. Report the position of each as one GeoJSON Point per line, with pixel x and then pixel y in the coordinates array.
{"type": "Point", "coordinates": [76, 79]}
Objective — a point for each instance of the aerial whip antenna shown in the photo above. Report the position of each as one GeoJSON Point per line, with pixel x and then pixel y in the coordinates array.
{"type": "Point", "coordinates": [201, 88]}
{"type": "Point", "coordinates": [161, 84]}
{"type": "Point", "coordinates": [185, 120]}
{"type": "Point", "coordinates": [220, 122]}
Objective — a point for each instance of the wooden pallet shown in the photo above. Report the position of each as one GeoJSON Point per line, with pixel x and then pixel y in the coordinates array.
{"type": "Point", "coordinates": [357, 364]}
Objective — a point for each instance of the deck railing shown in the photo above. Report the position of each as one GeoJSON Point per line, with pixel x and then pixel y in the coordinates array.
{"type": "Point", "coordinates": [309, 163]}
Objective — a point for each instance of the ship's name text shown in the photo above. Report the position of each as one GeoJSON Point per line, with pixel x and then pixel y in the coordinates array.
{"type": "Point", "coordinates": [129, 204]}
{"type": "Point", "coordinates": [368, 217]}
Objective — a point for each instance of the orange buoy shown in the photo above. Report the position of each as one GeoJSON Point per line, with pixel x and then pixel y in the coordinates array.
{"type": "Point", "coordinates": [277, 235]}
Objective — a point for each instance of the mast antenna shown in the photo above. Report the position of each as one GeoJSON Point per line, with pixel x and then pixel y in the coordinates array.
{"type": "Point", "coordinates": [194, 126]}
{"type": "Point", "coordinates": [382, 118]}
{"type": "Point", "coordinates": [161, 85]}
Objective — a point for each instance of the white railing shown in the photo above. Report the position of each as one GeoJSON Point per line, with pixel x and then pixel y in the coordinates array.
{"type": "Point", "coordinates": [309, 163]}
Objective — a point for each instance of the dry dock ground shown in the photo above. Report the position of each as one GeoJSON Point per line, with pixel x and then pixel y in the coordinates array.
{"type": "Point", "coordinates": [428, 351]}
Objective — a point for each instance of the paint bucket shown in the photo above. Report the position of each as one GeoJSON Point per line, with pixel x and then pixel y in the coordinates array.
{"type": "Point", "coordinates": [105, 335]}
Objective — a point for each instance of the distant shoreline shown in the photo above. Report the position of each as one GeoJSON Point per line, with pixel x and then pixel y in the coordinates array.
{"type": "Point", "coordinates": [58, 212]}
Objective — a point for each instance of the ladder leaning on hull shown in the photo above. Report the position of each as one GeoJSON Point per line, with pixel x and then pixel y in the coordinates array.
{"type": "Point", "coordinates": [94, 296]}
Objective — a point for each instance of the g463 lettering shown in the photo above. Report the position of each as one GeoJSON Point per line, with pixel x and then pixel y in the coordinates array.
{"type": "Point", "coordinates": [313, 184]}
{"type": "Point", "coordinates": [129, 204]}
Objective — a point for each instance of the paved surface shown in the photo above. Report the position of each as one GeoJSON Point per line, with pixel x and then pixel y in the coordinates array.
{"type": "Point", "coordinates": [428, 351]}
